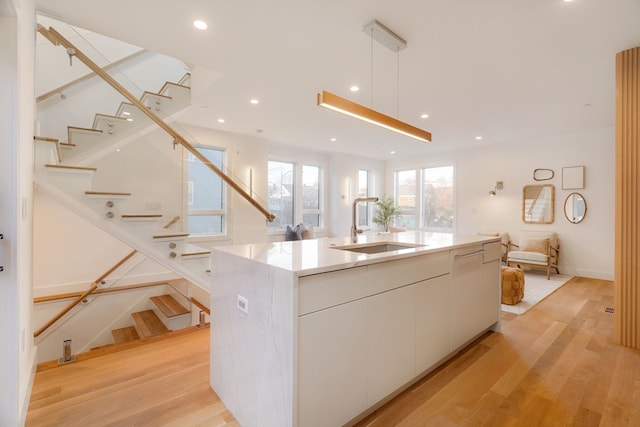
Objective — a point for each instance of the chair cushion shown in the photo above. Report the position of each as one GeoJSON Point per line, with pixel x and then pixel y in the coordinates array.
{"type": "Point", "coordinates": [531, 234]}
{"type": "Point", "coordinates": [528, 257]}
{"type": "Point", "coordinates": [535, 245]}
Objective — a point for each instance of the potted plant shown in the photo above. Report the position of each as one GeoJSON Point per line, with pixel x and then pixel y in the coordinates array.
{"type": "Point", "coordinates": [386, 211]}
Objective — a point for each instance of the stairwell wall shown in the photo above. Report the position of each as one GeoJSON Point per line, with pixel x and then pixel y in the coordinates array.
{"type": "Point", "coordinates": [17, 351]}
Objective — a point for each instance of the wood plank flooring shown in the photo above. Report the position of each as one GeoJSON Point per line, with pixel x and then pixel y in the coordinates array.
{"type": "Point", "coordinates": [556, 365]}
{"type": "Point", "coordinates": [164, 382]}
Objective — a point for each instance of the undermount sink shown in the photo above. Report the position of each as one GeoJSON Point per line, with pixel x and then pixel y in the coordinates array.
{"type": "Point", "coordinates": [378, 247]}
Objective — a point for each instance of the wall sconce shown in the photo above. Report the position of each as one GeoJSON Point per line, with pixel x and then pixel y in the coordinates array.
{"type": "Point", "coordinates": [499, 186]}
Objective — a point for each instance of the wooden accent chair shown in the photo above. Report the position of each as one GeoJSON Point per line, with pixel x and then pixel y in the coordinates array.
{"type": "Point", "coordinates": [536, 249]}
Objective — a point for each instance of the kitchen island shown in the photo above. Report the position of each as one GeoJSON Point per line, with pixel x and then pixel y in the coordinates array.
{"type": "Point", "coordinates": [320, 332]}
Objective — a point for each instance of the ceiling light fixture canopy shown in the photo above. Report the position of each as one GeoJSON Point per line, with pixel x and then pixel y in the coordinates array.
{"type": "Point", "coordinates": [388, 38]}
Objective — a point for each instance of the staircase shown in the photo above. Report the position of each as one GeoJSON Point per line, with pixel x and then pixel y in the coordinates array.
{"type": "Point", "coordinates": [76, 173]}
{"type": "Point", "coordinates": [167, 315]}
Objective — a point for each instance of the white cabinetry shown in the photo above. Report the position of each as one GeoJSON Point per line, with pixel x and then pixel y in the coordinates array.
{"type": "Point", "coordinates": [332, 356]}
{"type": "Point", "coordinates": [365, 332]}
{"type": "Point", "coordinates": [390, 341]}
{"type": "Point", "coordinates": [432, 321]}
{"type": "Point", "coordinates": [475, 292]}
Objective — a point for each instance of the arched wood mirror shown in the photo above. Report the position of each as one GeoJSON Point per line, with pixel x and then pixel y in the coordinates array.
{"type": "Point", "coordinates": [538, 204]}
{"type": "Point", "coordinates": [575, 208]}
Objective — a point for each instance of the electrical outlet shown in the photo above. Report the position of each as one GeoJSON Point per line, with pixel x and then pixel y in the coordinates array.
{"type": "Point", "coordinates": [243, 304]}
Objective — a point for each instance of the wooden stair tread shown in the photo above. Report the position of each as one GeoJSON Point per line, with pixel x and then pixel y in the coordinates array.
{"type": "Point", "coordinates": [154, 95]}
{"type": "Point", "coordinates": [106, 193]}
{"type": "Point", "coordinates": [196, 253]}
{"type": "Point", "coordinates": [44, 138]}
{"type": "Point", "coordinates": [170, 235]}
{"type": "Point", "coordinates": [141, 216]}
{"type": "Point", "coordinates": [79, 129]}
{"type": "Point", "coordinates": [126, 334]}
{"type": "Point", "coordinates": [84, 168]}
{"type": "Point", "coordinates": [110, 117]}
{"type": "Point", "coordinates": [148, 323]}
{"type": "Point", "coordinates": [169, 306]}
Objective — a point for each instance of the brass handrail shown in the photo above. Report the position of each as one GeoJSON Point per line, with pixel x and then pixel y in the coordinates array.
{"type": "Point", "coordinates": [86, 293]}
{"type": "Point", "coordinates": [54, 35]}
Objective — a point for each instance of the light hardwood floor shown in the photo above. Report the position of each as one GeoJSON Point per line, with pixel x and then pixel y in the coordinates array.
{"type": "Point", "coordinates": [556, 365]}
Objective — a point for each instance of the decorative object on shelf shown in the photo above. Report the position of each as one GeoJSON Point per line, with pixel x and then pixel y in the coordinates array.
{"type": "Point", "coordinates": [575, 208]}
{"type": "Point", "coordinates": [499, 186]}
{"type": "Point", "coordinates": [542, 174]}
{"type": "Point", "coordinates": [395, 43]}
{"type": "Point", "coordinates": [573, 178]}
{"type": "Point", "coordinates": [386, 211]}
{"type": "Point", "coordinates": [538, 204]}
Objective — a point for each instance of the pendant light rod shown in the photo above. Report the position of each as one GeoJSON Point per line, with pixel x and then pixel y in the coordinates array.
{"type": "Point", "coordinates": [341, 105]}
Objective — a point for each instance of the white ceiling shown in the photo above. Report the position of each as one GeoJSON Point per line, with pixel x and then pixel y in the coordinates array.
{"type": "Point", "coordinates": [512, 71]}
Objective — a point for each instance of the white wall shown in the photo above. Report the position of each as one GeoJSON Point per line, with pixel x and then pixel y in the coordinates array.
{"type": "Point", "coordinates": [17, 352]}
{"type": "Point", "coordinates": [343, 188]}
{"type": "Point", "coordinates": [586, 248]}
{"type": "Point", "coordinates": [243, 153]}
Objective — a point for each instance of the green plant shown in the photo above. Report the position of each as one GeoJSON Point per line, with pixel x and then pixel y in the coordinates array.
{"type": "Point", "coordinates": [386, 211]}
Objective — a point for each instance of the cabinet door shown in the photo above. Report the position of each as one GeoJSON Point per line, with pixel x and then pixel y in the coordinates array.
{"type": "Point", "coordinates": [332, 369]}
{"type": "Point", "coordinates": [475, 303]}
{"type": "Point", "coordinates": [432, 304]}
{"type": "Point", "coordinates": [390, 341]}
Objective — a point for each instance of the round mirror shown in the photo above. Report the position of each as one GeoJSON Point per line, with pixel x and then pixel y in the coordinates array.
{"type": "Point", "coordinates": [575, 208]}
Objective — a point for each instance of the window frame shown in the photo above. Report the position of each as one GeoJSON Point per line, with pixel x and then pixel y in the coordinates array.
{"type": "Point", "coordinates": [418, 213]}
{"type": "Point", "coordinates": [365, 207]}
{"type": "Point", "coordinates": [188, 197]}
{"type": "Point", "coordinates": [298, 194]}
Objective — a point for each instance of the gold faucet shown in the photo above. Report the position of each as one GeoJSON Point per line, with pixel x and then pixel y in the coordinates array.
{"type": "Point", "coordinates": [354, 228]}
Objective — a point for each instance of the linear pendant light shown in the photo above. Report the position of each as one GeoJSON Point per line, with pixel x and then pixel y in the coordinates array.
{"type": "Point", "coordinates": [344, 106]}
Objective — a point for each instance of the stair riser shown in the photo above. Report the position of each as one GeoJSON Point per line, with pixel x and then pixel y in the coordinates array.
{"type": "Point", "coordinates": [44, 153]}
{"type": "Point", "coordinates": [176, 322]}
{"type": "Point", "coordinates": [74, 183]}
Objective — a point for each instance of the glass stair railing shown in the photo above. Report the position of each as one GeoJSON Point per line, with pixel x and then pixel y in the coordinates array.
{"type": "Point", "coordinates": [126, 171]}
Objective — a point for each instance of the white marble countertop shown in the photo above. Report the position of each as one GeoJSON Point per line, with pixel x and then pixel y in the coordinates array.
{"type": "Point", "coordinates": [306, 257]}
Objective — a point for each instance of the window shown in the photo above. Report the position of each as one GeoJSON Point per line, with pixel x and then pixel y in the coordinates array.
{"type": "Point", "coordinates": [205, 194]}
{"type": "Point", "coordinates": [294, 194]}
{"type": "Point", "coordinates": [426, 198]}
{"type": "Point", "coordinates": [311, 195]}
{"type": "Point", "coordinates": [437, 199]}
{"type": "Point", "coordinates": [363, 191]}
{"type": "Point", "coordinates": [406, 197]}
{"type": "Point", "coordinates": [280, 193]}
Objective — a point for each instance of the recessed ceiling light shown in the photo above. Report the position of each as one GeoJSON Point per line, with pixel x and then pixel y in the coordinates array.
{"type": "Point", "coordinates": [333, 140]}
{"type": "Point", "coordinates": [392, 152]}
{"type": "Point", "coordinates": [567, 1]}
{"type": "Point", "coordinates": [424, 116]}
{"type": "Point", "coordinates": [220, 120]}
{"type": "Point", "coordinates": [201, 25]}
{"type": "Point", "coordinates": [129, 119]}
{"type": "Point", "coordinates": [354, 88]}
{"type": "Point", "coordinates": [254, 101]}
{"type": "Point", "coordinates": [126, 113]}
{"type": "Point", "coordinates": [478, 138]}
